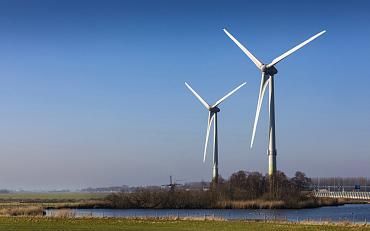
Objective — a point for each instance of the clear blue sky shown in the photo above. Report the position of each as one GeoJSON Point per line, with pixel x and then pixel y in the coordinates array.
{"type": "Point", "coordinates": [92, 93]}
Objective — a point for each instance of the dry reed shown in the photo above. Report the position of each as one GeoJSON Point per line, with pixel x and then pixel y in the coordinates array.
{"type": "Point", "coordinates": [64, 213]}
{"type": "Point", "coordinates": [22, 211]}
{"type": "Point", "coordinates": [251, 204]}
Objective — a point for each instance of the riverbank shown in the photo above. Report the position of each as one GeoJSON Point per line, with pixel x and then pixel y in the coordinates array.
{"type": "Point", "coordinates": [18, 203]}
{"type": "Point", "coordinates": [268, 204]}
{"type": "Point", "coordinates": [249, 204]}
{"type": "Point", "coordinates": [22, 205]}
{"type": "Point", "coordinates": [121, 224]}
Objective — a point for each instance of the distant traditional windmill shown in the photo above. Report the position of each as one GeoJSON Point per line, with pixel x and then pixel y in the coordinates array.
{"type": "Point", "coordinates": [171, 185]}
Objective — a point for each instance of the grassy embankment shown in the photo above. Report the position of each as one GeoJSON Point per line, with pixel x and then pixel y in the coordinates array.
{"type": "Point", "coordinates": [92, 224]}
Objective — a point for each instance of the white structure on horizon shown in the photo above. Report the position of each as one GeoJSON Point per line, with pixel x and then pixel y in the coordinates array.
{"type": "Point", "coordinates": [212, 117]}
{"type": "Point", "coordinates": [268, 73]}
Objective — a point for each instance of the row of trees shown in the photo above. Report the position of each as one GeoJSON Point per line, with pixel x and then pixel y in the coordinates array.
{"type": "Point", "coordinates": [241, 186]}
{"type": "Point", "coordinates": [250, 186]}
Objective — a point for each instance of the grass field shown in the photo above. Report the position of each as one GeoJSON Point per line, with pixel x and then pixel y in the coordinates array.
{"type": "Point", "coordinates": [53, 200]}
{"type": "Point", "coordinates": [52, 196]}
{"type": "Point", "coordinates": [102, 224]}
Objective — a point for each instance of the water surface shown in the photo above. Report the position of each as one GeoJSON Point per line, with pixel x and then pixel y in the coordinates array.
{"type": "Point", "coordinates": [349, 212]}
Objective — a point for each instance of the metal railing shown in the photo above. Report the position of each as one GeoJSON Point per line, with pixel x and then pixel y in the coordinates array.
{"type": "Point", "coordinates": [349, 195]}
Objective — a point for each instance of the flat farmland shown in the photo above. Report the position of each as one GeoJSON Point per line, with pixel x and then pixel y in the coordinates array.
{"type": "Point", "coordinates": [52, 196]}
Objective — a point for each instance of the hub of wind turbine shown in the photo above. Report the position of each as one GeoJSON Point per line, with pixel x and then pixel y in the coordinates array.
{"type": "Point", "coordinates": [214, 109]}
{"type": "Point", "coordinates": [269, 70]}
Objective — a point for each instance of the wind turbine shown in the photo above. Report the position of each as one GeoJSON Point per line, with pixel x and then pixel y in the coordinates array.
{"type": "Point", "coordinates": [212, 117]}
{"type": "Point", "coordinates": [268, 72]}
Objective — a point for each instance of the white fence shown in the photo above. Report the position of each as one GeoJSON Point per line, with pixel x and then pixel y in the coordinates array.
{"type": "Point", "coordinates": [349, 195]}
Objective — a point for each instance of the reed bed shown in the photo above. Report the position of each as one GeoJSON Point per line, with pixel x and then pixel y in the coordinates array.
{"type": "Point", "coordinates": [23, 211]}
{"type": "Point", "coordinates": [251, 204]}
{"type": "Point", "coordinates": [63, 213]}
{"type": "Point", "coordinates": [279, 204]}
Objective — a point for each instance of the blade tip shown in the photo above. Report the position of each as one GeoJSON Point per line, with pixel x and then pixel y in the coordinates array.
{"type": "Point", "coordinates": [252, 142]}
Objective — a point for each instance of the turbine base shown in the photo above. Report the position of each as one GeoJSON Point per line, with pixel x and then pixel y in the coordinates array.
{"type": "Point", "coordinates": [272, 161]}
{"type": "Point", "coordinates": [215, 174]}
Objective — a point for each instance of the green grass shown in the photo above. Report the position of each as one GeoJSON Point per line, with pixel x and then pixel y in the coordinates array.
{"type": "Point", "coordinates": [52, 196]}
{"type": "Point", "coordinates": [110, 224]}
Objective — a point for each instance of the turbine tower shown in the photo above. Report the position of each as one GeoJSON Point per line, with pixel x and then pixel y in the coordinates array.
{"type": "Point", "coordinates": [212, 117]}
{"type": "Point", "coordinates": [267, 79]}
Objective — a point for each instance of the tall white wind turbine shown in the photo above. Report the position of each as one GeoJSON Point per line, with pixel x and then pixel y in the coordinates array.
{"type": "Point", "coordinates": [212, 118]}
{"type": "Point", "coordinates": [267, 79]}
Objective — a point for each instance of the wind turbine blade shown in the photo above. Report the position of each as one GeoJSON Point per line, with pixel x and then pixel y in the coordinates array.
{"type": "Point", "coordinates": [294, 49]}
{"type": "Point", "coordinates": [264, 82]}
{"type": "Point", "coordinates": [247, 52]}
{"type": "Point", "coordinates": [198, 96]}
{"type": "Point", "coordinates": [210, 119]}
{"type": "Point", "coordinates": [226, 96]}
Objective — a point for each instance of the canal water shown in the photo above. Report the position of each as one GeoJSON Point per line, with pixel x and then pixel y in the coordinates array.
{"type": "Point", "coordinates": [349, 212]}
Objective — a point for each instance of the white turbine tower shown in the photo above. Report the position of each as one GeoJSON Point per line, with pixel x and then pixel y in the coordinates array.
{"type": "Point", "coordinates": [212, 117]}
{"type": "Point", "coordinates": [268, 72]}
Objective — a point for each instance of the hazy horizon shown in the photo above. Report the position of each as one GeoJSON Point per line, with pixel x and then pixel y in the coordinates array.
{"type": "Point", "coordinates": [92, 92]}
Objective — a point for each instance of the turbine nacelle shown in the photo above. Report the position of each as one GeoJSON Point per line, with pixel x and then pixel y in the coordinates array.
{"type": "Point", "coordinates": [269, 70]}
{"type": "Point", "coordinates": [214, 109]}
